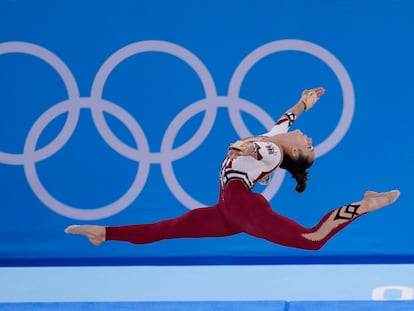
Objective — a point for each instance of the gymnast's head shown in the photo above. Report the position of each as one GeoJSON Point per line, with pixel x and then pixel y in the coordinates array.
{"type": "Point", "coordinates": [298, 156]}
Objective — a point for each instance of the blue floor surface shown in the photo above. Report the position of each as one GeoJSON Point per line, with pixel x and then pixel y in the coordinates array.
{"type": "Point", "coordinates": [216, 306]}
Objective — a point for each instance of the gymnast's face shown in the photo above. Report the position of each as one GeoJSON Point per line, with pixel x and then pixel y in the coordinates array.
{"type": "Point", "coordinates": [302, 144]}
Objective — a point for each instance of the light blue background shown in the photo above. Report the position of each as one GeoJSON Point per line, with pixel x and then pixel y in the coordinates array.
{"type": "Point", "coordinates": [195, 283]}
{"type": "Point", "coordinates": [373, 41]}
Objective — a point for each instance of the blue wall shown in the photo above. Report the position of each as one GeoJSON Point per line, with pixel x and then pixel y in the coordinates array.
{"type": "Point", "coordinates": [118, 112]}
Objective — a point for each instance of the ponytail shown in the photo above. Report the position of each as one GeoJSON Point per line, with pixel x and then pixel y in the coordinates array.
{"type": "Point", "coordinates": [298, 169]}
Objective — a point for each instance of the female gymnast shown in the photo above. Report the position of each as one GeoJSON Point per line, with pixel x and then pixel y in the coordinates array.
{"type": "Point", "coordinates": [240, 209]}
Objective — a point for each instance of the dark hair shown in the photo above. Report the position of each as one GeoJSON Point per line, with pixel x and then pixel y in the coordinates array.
{"type": "Point", "coordinates": [298, 168]}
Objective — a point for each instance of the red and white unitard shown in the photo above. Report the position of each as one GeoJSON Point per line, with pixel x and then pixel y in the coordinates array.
{"type": "Point", "coordinates": [239, 209]}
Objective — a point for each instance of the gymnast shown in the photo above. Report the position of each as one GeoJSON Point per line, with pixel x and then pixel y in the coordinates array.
{"type": "Point", "coordinates": [241, 210]}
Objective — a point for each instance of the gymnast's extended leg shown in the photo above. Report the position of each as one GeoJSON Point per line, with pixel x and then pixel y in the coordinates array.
{"type": "Point", "coordinates": [197, 223]}
{"type": "Point", "coordinates": [251, 213]}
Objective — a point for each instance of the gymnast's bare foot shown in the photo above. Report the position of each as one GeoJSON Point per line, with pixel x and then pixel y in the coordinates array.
{"type": "Point", "coordinates": [375, 200]}
{"type": "Point", "coordinates": [95, 234]}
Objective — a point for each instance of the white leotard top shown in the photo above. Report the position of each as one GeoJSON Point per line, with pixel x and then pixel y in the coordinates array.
{"type": "Point", "coordinates": [268, 157]}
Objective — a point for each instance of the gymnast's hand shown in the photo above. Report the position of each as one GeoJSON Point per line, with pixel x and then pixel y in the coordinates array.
{"type": "Point", "coordinates": [310, 97]}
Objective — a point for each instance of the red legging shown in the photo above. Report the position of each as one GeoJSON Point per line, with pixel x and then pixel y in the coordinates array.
{"type": "Point", "coordinates": [239, 210]}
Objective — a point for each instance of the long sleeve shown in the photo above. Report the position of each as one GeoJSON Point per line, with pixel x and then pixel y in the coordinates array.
{"type": "Point", "coordinates": [282, 125]}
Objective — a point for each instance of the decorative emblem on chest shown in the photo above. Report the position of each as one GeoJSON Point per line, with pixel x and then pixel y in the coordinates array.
{"type": "Point", "coordinates": [270, 149]}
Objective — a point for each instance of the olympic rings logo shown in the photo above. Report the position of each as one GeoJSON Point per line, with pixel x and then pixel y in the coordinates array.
{"type": "Point", "coordinates": [167, 154]}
